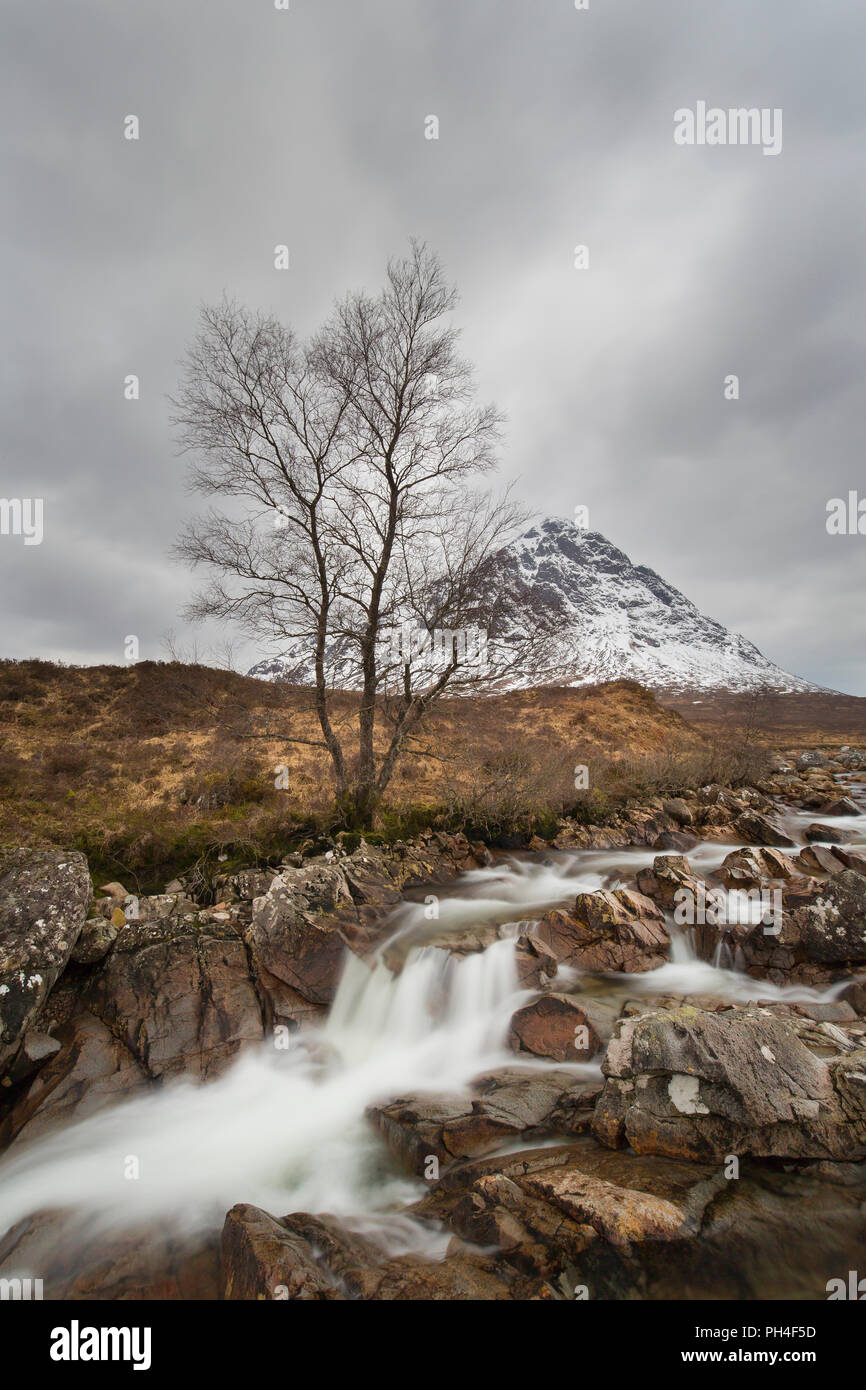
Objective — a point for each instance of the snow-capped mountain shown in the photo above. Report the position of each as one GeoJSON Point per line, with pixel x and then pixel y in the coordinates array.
{"type": "Point", "coordinates": [609, 620]}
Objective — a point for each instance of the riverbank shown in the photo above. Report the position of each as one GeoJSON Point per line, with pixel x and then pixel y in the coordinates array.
{"type": "Point", "coordinates": [428, 1071]}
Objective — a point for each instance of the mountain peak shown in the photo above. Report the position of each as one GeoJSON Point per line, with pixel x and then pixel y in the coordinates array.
{"type": "Point", "coordinates": [612, 620]}
{"type": "Point", "coordinates": [621, 620]}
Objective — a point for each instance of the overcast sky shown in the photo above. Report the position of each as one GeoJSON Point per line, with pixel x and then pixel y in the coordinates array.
{"type": "Point", "coordinates": [307, 127]}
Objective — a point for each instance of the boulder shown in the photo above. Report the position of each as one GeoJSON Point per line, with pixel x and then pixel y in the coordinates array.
{"type": "Point", "coordinates": [812, 758]}
{"type": "Point", "coordinates": [555, 1026]}
{"type": "Point", "coordinates": [669, 874]}
{"type": "Point", "coordinates": [828, 834]}
{"type": "Point", "coordinates": [679, 810]}
{"type": "Point", "coordinates": [832, 927]}
{"type": "Point", "coordinates": [44, 898]}
{"type": "Point", "coordinates": [818, 858]}
{"type": "Point", "coordinates": [849, 859]}
{"type": "Point", "coordinates": [842, 806]}
{"type": "Point", "coordinates": [674, 840]}
{"type": "Point", "coordinates": [261, 1259]}
{"type": "Point", "coordinates": [756, 829]}
{"type": "Point", "coordinates": [750, 868]}
{"type": "Point", "coordinates": [180, 996]}
{"type": "Point", "coordinates": [617, 931]}
{"type": "Point", "coordinates": [690, 1084]}
{"type": "Point", "coordinates": [310, 916]}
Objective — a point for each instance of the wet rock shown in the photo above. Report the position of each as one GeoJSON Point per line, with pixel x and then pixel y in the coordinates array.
{"type": "Point", "coordinates": [310, 916]}
{"type": "Point", "coordinates": [314, 1258]}
{"type": "Point", "coordinates": [499, 1107]}
{"type": "Point", "coordinates": [831, 1011]}
{"type": "Point", "coordinates": [616, 1225]}
{"type": "Point", "coordinates": [816, 858]}
{"type": "Point", "coordinates": [297, 942]}
{"type": "Point", "coordinates": [750, 868]}
{"type": "Point", "coordinates": [261, 1259]}
{"type": "Point", "coordinates": [551, 1210]}
{"type": "Point", "coordinates": [756, 829]}
{"type": "Point", "coordinates": [44, 898]}
{"type": "Point", "coordinates": [535, 962]}
{"type": "Point", "coordinates": [555, 1026]}
{"type": "Point", "coordinates": [849, 859]}
{"type": "Point", "coordinates": [675, 840]}
{"type": "Point", "coordinates": [855, 995]}
{"type": "Point", "coordinates": [690, 1084]}
{"type": "Point", "coordinates": [139, 1263]}
{"type": "Point", "coordinates": [842, 806]}
{"type": "Point", "coordinates": [832, 927]}
{"type": "Point", "coordinates": [617, 931]}
{"type": "Point", "coordinates": [91, 1070]}
{"type": "Point", "coordinates": [669, 874]}
{"type": "Point", "coordinates": [679, 810]}
{"type": "Point", "coordinates": [829, 834]}
{"type": "Point", "coordinates": [644, 825]}
{"type": "Point", "coordinates": [179, 994]}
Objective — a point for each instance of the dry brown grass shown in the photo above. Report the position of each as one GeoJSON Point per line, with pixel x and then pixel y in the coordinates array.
{"type": "Point", "coordinates": [150, 766]}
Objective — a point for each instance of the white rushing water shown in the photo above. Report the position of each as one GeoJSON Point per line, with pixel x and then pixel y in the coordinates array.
{"type": "Point", "coordinates": [285, 1128]}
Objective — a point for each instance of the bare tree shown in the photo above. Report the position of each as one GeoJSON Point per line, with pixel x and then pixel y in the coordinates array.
{"type": "Point", "coordinates": [355, 537]}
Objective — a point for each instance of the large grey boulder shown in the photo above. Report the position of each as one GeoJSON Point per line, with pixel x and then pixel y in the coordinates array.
{"type": "Point", "coordinates": [44, 898]}
{"type": "Point", "coordinates": [690, 1084]}
{"type": "Point", "coordinates": [832, 927]}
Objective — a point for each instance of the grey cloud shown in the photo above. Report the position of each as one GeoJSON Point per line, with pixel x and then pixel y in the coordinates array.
{"type": "Point", "coordinates": [261, 127]}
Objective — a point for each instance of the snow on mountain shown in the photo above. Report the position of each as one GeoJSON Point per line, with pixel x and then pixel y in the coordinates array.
{"type": "Point", "coordinates": [610, 620]}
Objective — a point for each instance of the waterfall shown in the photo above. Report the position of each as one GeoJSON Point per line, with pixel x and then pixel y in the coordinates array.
{"type": "Point", "coordinates": [284, 1129]}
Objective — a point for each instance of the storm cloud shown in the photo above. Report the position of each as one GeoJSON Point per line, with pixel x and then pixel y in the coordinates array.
{"type": "Point", "coordinates": [307, 126]}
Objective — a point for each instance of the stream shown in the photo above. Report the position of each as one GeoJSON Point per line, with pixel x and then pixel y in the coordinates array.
{"type": "Point", "coordinates": [285, 1127]}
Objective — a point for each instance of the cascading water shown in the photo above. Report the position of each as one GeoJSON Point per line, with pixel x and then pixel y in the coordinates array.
{"type": "Point", "coordinates": [285, 1127]}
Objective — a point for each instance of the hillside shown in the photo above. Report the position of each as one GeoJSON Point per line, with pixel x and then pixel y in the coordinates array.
{"type": "Point", "coordinates": [150, 766]}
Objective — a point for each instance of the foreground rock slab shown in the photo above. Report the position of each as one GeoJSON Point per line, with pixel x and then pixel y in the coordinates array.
{"type": "Point", "coordinates": [505, 1105]}
{"type": "Point", "coordinates": [307, 1258]}
{"type": "Point", "coordinates": [686, 1083]}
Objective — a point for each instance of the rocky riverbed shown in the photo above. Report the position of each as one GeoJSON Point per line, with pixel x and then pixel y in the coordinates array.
{"type": "Point", "coordinates": [627, 1064]}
